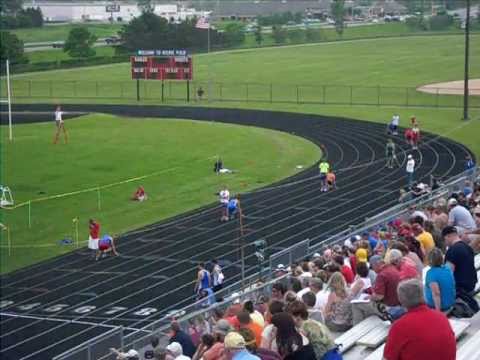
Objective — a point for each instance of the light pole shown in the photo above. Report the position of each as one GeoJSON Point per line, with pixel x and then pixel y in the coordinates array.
{"type": "Point", "coordinates": [467, 54]}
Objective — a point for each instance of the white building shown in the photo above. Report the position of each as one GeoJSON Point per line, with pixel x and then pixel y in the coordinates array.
{"type": "Point", "coordinates": [78, 12]}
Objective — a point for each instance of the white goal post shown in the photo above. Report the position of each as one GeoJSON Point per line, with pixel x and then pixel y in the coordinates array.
{"type": "Point", "coordinates": [8, 101]}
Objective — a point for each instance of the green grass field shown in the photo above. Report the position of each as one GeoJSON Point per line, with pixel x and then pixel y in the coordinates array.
{"type": "Point", "coordinates": [105, 149]}
{"type": "Point", "coordinates": [59, 54]}
{"type": "Point", "coordinates": [60, 32]}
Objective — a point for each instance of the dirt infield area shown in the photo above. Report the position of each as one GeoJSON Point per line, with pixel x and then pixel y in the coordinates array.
{"type": "Point", "coordinates": [452, 87]}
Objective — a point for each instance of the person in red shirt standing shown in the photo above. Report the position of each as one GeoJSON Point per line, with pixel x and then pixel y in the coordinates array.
{"type": "Point", "coordinates": [422, 333]}
{"type": "Point", "coordinates": [94, 230]}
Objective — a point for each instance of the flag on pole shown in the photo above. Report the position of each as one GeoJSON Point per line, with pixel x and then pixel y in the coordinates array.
{"type": "Point", "coordinates": [202, 23]}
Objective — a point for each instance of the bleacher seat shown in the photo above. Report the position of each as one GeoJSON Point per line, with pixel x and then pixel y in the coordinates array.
{"type": "Point", "coordinates": [458, 326]}
{"type": "Point", "coordinates": [350, 337]}
{"type": "Point", "coordinates": [470, 350]}
{"type": "Point", "coordinates": [377, 354]}
{"type": "Point", "coordinates": [376, 336]}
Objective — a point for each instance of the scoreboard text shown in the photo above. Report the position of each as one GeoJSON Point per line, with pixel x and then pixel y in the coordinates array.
{"type": "Point", "coordinates": [161, 66]}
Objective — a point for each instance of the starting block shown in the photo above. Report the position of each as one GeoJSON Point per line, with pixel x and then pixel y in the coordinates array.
{"type": "Point", "coordinates": [6, 196]}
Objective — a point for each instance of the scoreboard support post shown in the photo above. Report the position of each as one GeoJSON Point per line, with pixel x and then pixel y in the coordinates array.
{"type": "Point", "coordinates": [188, 90]}
{"type": "Point", "coordinates": [163, 89]}
{"type": "Point", "coordinates": [138, 89]}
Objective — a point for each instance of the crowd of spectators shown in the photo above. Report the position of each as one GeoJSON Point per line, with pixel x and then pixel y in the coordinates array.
{"type": "Point", "coordinates": [413, 272]}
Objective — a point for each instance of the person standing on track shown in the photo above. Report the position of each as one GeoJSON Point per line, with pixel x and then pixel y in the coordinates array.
{"type": "Point", "coordinates": [224, 199]}
{"type": "Point", "coordinates": [217, 276]}
{"type": "Point", "coordinates": [390, 154]}
{"type": "Point", "coordinates": [94, 230]}
{"type": "Point", "coordinates": [203, 279]}
{"type": "Point", "coordinates": [60, 124]}
{"type": "Point", "coordinates": [410, 169]}
{"type": "Point", "coordinates": [415, 136]}
{"type": "Point", "coordinates": [393, 127]}
{"type": "Point", "coordinates": [324, 168]}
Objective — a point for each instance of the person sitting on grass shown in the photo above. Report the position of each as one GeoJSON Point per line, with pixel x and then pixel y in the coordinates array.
{"type": "Point", "coordinates": [140, 194]}
{"type": "Point", "coordinates": [105, 245]}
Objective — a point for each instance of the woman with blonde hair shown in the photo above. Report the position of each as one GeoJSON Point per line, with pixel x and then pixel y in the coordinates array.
{"type": "Point", "coordinates": [338, 311]}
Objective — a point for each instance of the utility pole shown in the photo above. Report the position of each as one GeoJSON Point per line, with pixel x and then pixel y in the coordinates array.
{"type": "Point", "coordinates": [467, 60]}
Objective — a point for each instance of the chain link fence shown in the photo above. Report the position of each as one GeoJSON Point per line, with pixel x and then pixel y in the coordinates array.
{"type": "Point", "coordinates": [188, 91]}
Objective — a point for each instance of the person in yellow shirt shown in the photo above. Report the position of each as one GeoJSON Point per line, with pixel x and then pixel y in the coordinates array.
{"type": "Point", "coordinates": [324, 168]}
{"type": "Point", "coordinates": [424, 237]}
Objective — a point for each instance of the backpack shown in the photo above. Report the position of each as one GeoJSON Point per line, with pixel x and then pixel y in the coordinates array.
{"type": "Point", "coordinates": [333, 354]}
{"type": "Point", "coordinates": [465, 305]}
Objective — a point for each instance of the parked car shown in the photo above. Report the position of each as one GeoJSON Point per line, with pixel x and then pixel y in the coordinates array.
{"type": "Point", "coordinates": [112, 40]}
{"type": "Point", "coordinates": [58, 45]}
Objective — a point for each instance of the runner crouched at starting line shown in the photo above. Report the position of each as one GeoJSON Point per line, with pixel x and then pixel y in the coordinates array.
{"type": "Point", "coordinates": [105, 245]}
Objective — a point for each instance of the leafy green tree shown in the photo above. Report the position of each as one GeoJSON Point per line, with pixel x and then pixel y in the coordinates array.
{"type": "Point", "coordinates": [10, 7]}
{"type": "Point", "coordinates": [279, 34]}
{"type": "Point", "coordinates": [11, 48]}
{"type": "Point", "coordinates": [417, 23]}
{"type": "Point", "coordinates": [258, 35]}
{"type": "Point", "coordinates": [80, 43]}
{"type": "Point", "coordinates": [145, 5]}
{"type": "Point", "coordinates": [147, 31]}
{"type": "Point", "coordinates": [234, 34]}
{"type": "Point", "coordinates": [296, 36]}
{"type": "Point", "coordinates": [338, 14]}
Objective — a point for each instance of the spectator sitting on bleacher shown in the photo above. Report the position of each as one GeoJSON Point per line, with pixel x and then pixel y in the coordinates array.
{"type": "Point", "coordinates": [268, 338]}
{"type": "Point", "coordinates": [175, 350]}
{"type": "Point", "coordinates": [149, 352]}
{"type": "Point", "coordinates": [309, 299]}
{"type": "Point", "coordinates": [129, 355]}
{"type": "Point", "coordinates": [255, 315]}
{"type": "Point", "coordinates": [362, 286]}
{"type": "Point", "coordinates": [384, 292]}
{"type": "Point", "coordinates": [409, 260]}
{"type": "Point", "coordinates": [460, 258]}
{"type": "Point", "coordinates": [406, 267]}
{"type": "Point", "coordinates": [460, 217]}
{"type": "Point", "coordinates": [346, 270]}
{"type": "Point", "coordinates": [235, 348]}
{"type": "Point", "coordinates": [317, 333]}
{"type": "Point", "coordinates": [220, 330]}
{"type": "Point", "coordinates": [251, 345]}
{"type": "Point", "coordinates": [338, 311]}
{"type": "Point", "coordinates": [292, 345]}
{"type": "Point", "coordinates": [439, 283]}
{"type": "Point", "coordinates": [424, 237]}
{"type": "Point", "coordinates": [421, 333]}
{"type": "Point", "coordinates": [206, 343]}
{"type": "Point", "coordinates": [179, 336]}
{"type": "Point", "coordinates": [245, 321]}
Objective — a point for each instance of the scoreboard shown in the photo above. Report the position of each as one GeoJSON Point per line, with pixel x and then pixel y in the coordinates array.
{"type": "Point", "coordinates": [161, 65]}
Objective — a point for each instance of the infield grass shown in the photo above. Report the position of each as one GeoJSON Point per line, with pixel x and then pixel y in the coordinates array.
{"type": "Point", "coordinates": [105, 149]}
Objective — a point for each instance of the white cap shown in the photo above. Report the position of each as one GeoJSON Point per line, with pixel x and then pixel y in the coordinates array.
{"type": "Point", "coordinates": [175, 348]}
{"type": "Point", "coordinates": [317, 255]}
{"type": "Point", "coordinates": [452, 202]}
{"type": "Point", "coordinates": [132, 353]}
{"type": "Point", "coordinates": [409, 156]}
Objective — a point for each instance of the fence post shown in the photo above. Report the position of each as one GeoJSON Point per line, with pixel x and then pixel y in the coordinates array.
{"type": "Point", "coordinates": [351, 95]}
{"type": "Point", "coordinates": [96, 88]}
{"type": "Point", "coordinates": [298, 98]}
{"type": "Point", "coordinates": [163, 91]}
{"type": "Point", "coordinates": [324, 91]}
{"type": "Point", "coordinates": [378, 95]}
{"type": "Point", "coordinates": [246, 89]}
{"type": "Point", "coordinates": [145, 90]}
{"type": "Point", "coordinates": [271, 93]}
{"type": "Point", "coordinates": [406, 96]}
{"type": "Point", "coordinates": [99, 199]}
{"type": "Point", "coordinates": [89, 354]}
{"type": "Point", "coordinates": [436, 98]}
{"type": "Point", "coordinates": [221, 94]}
{"type": "Point", "coordinates": [29, 214]}
{"type": "Point", "coordinates": [29, 88]}
{"type": "Point", "coordinates": [138, 89]}
{"type": "Point", "coordinates": [188, 90]}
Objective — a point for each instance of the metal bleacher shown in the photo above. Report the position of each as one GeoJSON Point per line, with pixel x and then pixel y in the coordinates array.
{"type": "Point", "coordinates": [470, 350]}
